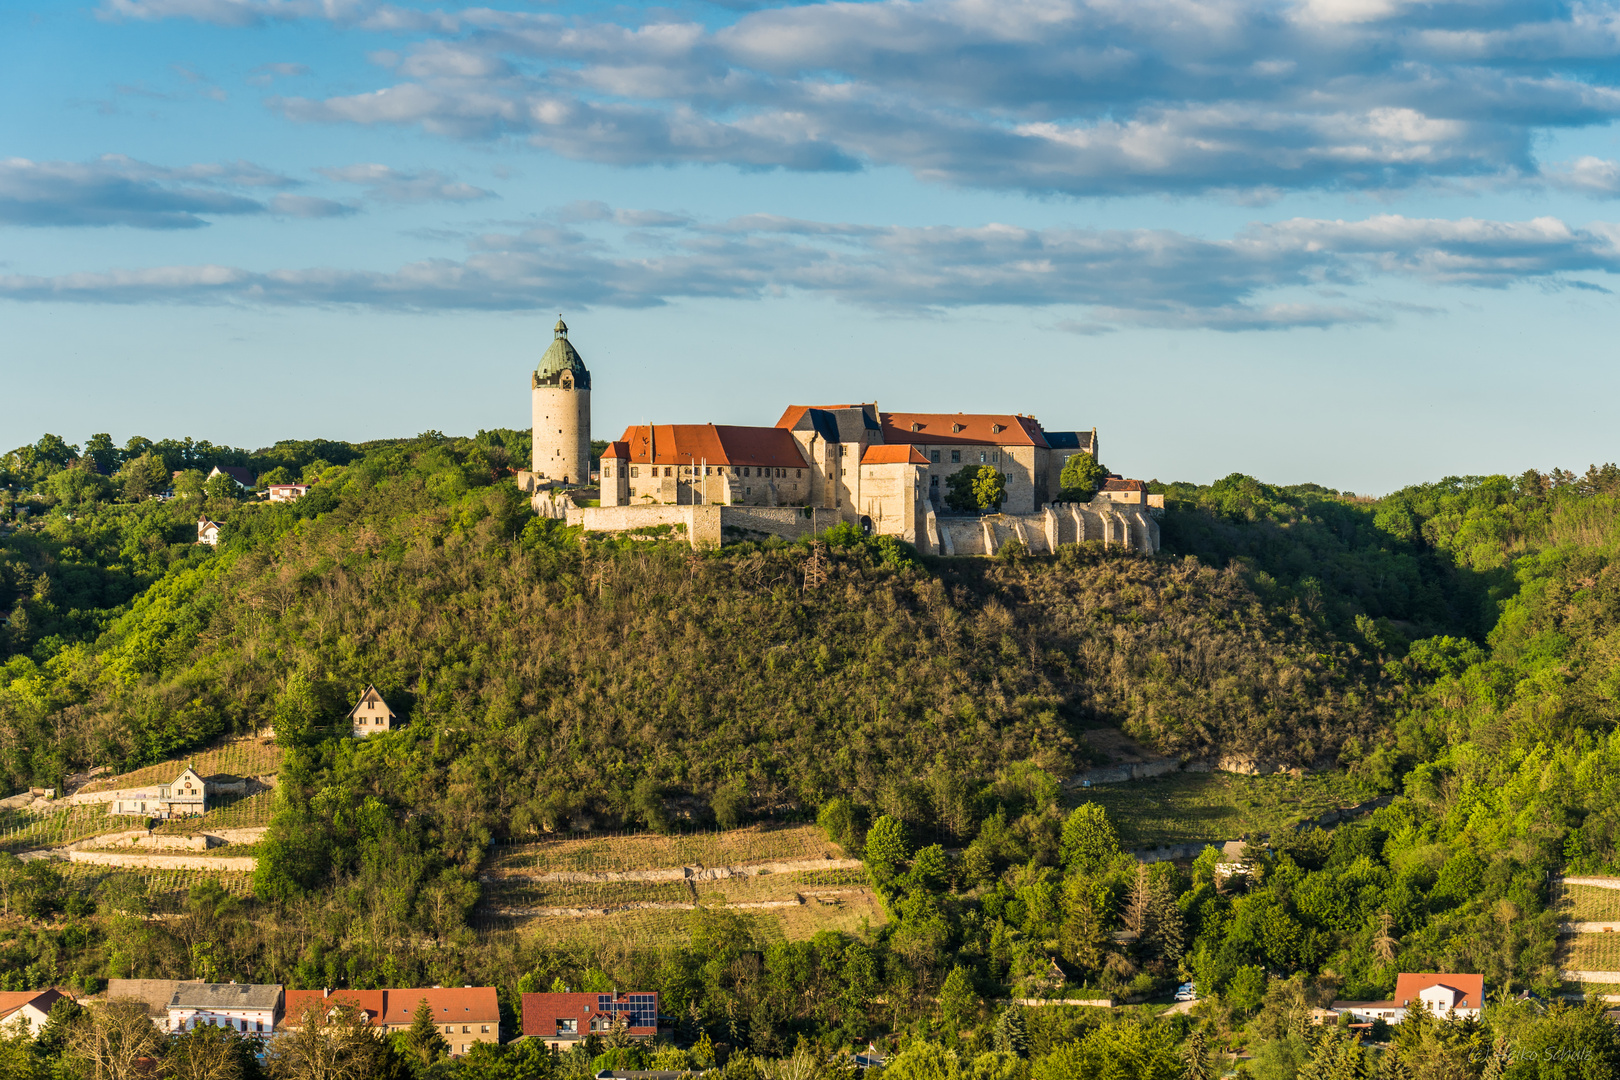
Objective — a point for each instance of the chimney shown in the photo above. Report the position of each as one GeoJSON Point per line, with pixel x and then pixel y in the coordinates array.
{"type": "Point", "coordinates": [326, 992]}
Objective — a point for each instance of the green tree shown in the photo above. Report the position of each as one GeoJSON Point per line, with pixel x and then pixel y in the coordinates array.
{"type": "Point", "coordinates": [143, 477]}
{"type": "Point", "coordinates": [1247, 989]}
{"type": "Point", "coordinates": [222, 487]}
{"type": "Point", "coordinates": [840, 819]}
{"type": "Point", "coordinates": [887, 849]}
{"type": "Point", "coordinates": [1089, 843]}
{"type": "Point", "coordinates": [1082, 477]}
{"type": "Point", "coordinates": [1012, 1033]}
{"type": "Point", "coordinates": [1196, 1063]}
{"type": "Point", "coordinates": [190, 484]}
{"type": "Point", "coordinates": [958, 1000]}
{"type": "Point", "coordinates": [648, 801]}
{"type": "Point", "coordinates": [730, 803]}
{"type": "Point", "coordinates": [972, 488]}
{"type": "Point", "coordinates": [422, 1043]}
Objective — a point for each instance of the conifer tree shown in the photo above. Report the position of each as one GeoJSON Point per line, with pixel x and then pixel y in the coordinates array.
{"type": "Point", "coordinates": [422, 1039]}
{"type": "Point", "coordinates": [1012, 1034]}
{"type": "Point", "coordinates": [1195, 1057]}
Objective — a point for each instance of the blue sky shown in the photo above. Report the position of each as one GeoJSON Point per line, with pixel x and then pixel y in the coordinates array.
{"type": "Point", "coordinates": [1361, 242]}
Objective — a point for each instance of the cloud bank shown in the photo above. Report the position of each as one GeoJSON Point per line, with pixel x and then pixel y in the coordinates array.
{"type": "Point", "coordinates": [1287, 274]}
{"type": "Point", "coordinates": [1082, 97]}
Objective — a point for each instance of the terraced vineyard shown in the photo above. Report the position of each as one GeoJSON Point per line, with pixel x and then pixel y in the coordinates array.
{"type": "Point", "coordinates": [1587, 903]}
{"type": "Point", "coordinates": [165, 890]}
{"type": "Point", "coordinates": [229, 812]}
{"type": "Point", "coordinates": [25, 831]}
{"type": "Point", "coordinates": [236, 757]}
{"type": "Point", "coordinates": [1183, 807]}
{"type": "Point", "coordinates": [608, 912]}
{"type": "Point", "coordinates": [1590, 952]}
{"type": "Point", "coordinates": [639, 851]}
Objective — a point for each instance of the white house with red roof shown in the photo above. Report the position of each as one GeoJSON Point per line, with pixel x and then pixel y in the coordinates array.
{"type": "Point", "coordinates": [1439, 993]}
{"type": "Point", "coordinates": [24, 1012]}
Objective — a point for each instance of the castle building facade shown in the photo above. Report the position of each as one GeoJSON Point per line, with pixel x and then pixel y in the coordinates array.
{"type": "Point", "coordinates": [560, 393]}
{"type": "Point", "coordinates": [887, 472]}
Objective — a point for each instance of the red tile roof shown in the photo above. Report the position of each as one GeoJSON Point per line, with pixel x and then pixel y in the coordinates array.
{"type": "Point", "coordinates": [12, 1000]}
{"type": "Point", "coordinates": [450, 1005]}
{"type": "Point", "coordinates": [893, 455]}
{"type": "Point", "coordinates": [976, 428]}
{"type": "Point", "coordinates": [1114, 483]}
{"type": "Point", "coordinates": [1410, 985]}
{"type": "Point", "coordinates": [616, 450]}
{"type": "Point", "coordinates": [542, 1011]}
{"type": "Point", "coordinates": [687, 444]}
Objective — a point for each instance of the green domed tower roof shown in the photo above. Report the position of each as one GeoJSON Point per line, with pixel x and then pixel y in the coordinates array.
{"type": "Point", "coordinates": [561, 357]}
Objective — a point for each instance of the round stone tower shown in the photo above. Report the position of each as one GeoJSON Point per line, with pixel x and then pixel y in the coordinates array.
{"type": "Point", "coordinates": [562, 413]}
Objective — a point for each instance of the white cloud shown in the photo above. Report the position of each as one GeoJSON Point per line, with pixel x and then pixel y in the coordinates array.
{"type": "Point", "coordinates": [1250, 98]}
{"type": "Point", "coordinates": [387, 184]}
{"type": "Point", "coordinates": [1281, 275]}
{"type": "Point", "coordinates": [117, 190]}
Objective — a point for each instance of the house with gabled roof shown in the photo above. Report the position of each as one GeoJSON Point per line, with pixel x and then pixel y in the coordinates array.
{"type": "Point", "coordinates": [1440, 993]}
{"type": "Point", "coordinates": [208, 531]}
{"type": "Point", "coordinates": [464, 1015]}
{"type": "Point", "coordinates": [24, 1012]}
{"type": "Point", "coordinates": [371, 714]}
{"type": "Point", "coordinates": [187, 796]}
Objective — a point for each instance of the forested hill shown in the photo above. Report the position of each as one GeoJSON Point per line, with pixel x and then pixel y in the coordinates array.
{"type": "Point", "coordinates": [1273, 627]}
{"type": "Point", "coordinates": [572, 670]}
{"type": "Point", "coordinates": [1456, 644]}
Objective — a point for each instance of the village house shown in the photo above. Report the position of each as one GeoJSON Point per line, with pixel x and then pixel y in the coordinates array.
{"type": "Point", "coordinates": [186, 797]}
{"type": "Point", "coordinates": [242, 475]}
{"type": "Point", "coordinates": [464, 1016]}
{"type": "Point", "coordinates": [563, 1019]}
{"type": "Point", "coordinates": [155, 994]}
{"type": "Point", "coordinates": [371, 714]}
{"type": "Point", "coordinates": [287, 492]}
{"type": "Point", "coordinates": [24, 1012]}
{"type": "Point", "coordinates": [249, 1009]}
{"type": "Point", "coordinates": [208, 532]}
{"type": "Point", "coordinates": [1439, 993]}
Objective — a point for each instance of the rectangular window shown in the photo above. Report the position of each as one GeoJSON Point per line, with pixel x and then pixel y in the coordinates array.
{"type": "Point", "coordinates": [746, 472]}
{"type": "Point", "coordinates": [956, 457]}
{"type": "Point", "coordinates": [933, 455]}
{"type": "Point", "coordinates": [996, 457]}
{"type": "Point", "coordinates": [466, 1029]}
{"type": "Point", "coordinates": [983, 457]}
{"type": "Point", "coordinates": [668, 471]}
{"type": "Point", "coordinates": [635, 470]}
{"type": "Point", "coordinates": [797, 474]}
{"type": "Point", "coordinates": [933, 481]}
{"type": "Point", "coordinates": [568, 1027]}
{"type": "Point", "coordinates": [843, 449]}
{"type": "Point", "coordinates": [483, 1029]}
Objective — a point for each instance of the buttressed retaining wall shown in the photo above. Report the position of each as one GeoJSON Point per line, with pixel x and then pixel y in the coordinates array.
{"type": "Point", "coordinates": [1130, 527]}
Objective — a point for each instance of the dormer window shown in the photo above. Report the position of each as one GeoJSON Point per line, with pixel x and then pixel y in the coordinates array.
{"type": "Point", "coordinates": [997, 429]}
{"type": "Point", "coordinates": [916, 426]}
{"type": "Point", "coordinates": [955, 428]}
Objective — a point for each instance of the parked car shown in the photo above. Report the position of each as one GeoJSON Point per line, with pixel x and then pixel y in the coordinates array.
{"type": "Point", "coordinates": [1187, 992]}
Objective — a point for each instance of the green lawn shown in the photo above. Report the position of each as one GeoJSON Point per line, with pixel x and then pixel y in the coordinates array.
{"type": "Point", "coordinates": [1184, 807]}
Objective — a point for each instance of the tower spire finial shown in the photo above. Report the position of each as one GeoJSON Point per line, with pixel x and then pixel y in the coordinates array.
{"type": "Point", "coordinates": [561, 329]}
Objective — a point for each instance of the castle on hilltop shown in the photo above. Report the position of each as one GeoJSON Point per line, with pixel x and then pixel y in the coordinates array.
{"type": "Point", "coordinates": [819, 464]}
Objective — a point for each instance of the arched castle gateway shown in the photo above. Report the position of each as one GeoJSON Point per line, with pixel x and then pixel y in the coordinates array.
{"type": "Point", "coordinates": [561, 392]}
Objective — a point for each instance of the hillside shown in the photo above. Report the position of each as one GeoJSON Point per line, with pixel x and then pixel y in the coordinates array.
{"type": "Point", "coordinates": [1452, 645]}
